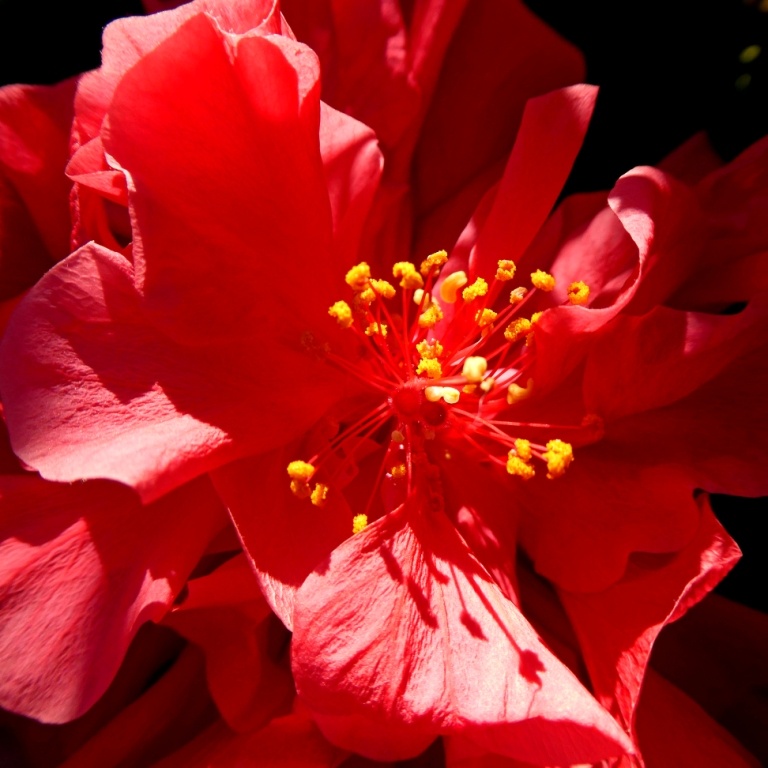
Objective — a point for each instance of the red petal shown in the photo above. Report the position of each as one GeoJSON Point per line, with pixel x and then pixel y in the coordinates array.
{"type": "Point", "coordinates": [618, 626]}
{"type": "Point", "coordinates": [284, 537]}
{"type": "Point", "coordinates": [500, 56]}
{"type": "Point", "coordinates": [292, 741]}
{"type": "Point", "coordinates": [225, 244]}
{"type": "Point", "coordinates": [83, 567]}
{"type": "Point", "coordinates": [124, 402]}
{"type": "Point", "coordinates": [547, 143]}
{"type": "Point", "coordinates": [169, 713]}
{"type": "Point", "coordinates": [651, 361]}
{"type": "Point", "coordinates": [371, 639]}
{"type": "Point", "coordinates": [581, 528]}
{"type": "Point", "coordinates": [716, 654]}
{"type": "Point", "coordinates": [225, 614]}
{"type": "Point", "coordinates": [675, 733]}
{"type": "Point", "coordinates": [34, 193]}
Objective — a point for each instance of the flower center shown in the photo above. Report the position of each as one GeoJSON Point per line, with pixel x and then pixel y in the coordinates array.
{"type": "Point", "coordinates": [437, 381]}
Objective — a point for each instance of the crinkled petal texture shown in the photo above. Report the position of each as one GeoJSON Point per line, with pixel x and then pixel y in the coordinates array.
{"type": "Point", "coordinates": [165, 372]}
{"type": "Point", "coordinates": [415, 636]}
{"type": "Point", "coordinates": [34, 208]}
{"type": "Point", "coordinates": [79, 575]}
{"type": "Point", "coordinates": [93, 389]}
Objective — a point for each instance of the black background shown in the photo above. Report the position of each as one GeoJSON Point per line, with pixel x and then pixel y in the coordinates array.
{"type": "Point", "coordinates": [663, 77]}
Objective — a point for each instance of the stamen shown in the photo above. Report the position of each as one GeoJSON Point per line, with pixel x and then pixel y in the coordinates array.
{"type": "Point", "coordinates": [506, 270]}
{"type": "Point", "coordinates": [578, 293]}
{"type": "Point", "coordinates": [516, 295]}
{"type": "Point", "coordinates": [558, 456]}
{"type": "Point", "coordinates": [301, 471]}
{"type": "Point", "coordinates": [542, 280]}
{"type": "Point", "coordinates": [433, 261]}
{"type": "Point", "coordinates": [319, 494]}
{"type": "Point", "coordinates": [359, 523]}
{"type": "Point", "coordinates": [474, 369]}
{"type": "Point", "coordinates": [408, 276]}
{"type": "Point", "coordinates": [431, 367]}
{"type": "Point", "coordinates": [357, 278]}
{"type": "Point", "coordinates": [518, 328]}
{"type": "Point", "coordinates": [476, 290]}
{"type": "Point", "coordinates": [452, 285]}
{"type": "Point", "coordinates": [516, 393]}
{"type": "Point", "coordinates": [342, 313]}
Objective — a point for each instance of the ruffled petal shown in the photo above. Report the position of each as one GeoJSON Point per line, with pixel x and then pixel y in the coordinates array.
{"type": "Point", "coordinates": [223, 245]}
{"type": "Point", "coordinates": [413, 631]}
{"type": "Point", "coordinates": [34, 193]}
{"type": "Point", "coordinates": [82, 568]}
{"type": "Point", "coordinates": [500, 56]}
{"type": "Point", "coordinates": [124, 402]}
{"type": "Point", "coordinates": [618, 626]}
{"type": "Point", "coordinates": [580, 529]}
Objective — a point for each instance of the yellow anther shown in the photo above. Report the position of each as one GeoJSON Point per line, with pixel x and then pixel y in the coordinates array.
{"type": "Point", "coordinates": [362, 300]}
{"type": "Point", "coordinates": [474, 291]}
{"type": "Point", "coordinates": [300, 489]}
{"type": "Point", "coordinates": [383, 288]}
{"type": "Point", "coordinates": [431, 316]}
{"type": "Point", "coordinates": [300, 471]}
{"type": "Point", "coordinates": [506, 270]}
{"type": "Point", "coordinates": [398, 436]}
{"type": "Point", "coordinates": [578, 293]}
{"type": "Point", "coordinates": [558, 456]}
{"type": "Point", "coordinates": [523, 449]}
{"type": "Point", "coordinates": [357, 278]}
{"type": "Point", "coordinates": [430, 350]}
{"type": "Point", "coordinates": [319, 494]}
{"type": "Point", "coordinates": [342, 313]}
{"type": "Point", "coordinates": [536, 316]}
{"type": "Point", "coordinates": [516, 295]}
{"type": "Point", "coordinates": [486, 385]}
{"type": "Point", "coordinates": [407, 274]}
{"type": "Point", "coordinates": [542, 280]}
{"type": "Point", "coordinates": [449, 394]}
{"type": "Point", "coordinates": [366, 296]}
{"type": "Point", "coordinates": [451, 286]}
{"type": "Point", "coordinates": [398, 470]}
{"type": "Point", "coordinates": [376, 329]}
{"type": "Point", "coordinates": [516, 466]}
{"type": "Point", "coordinates": [431, 367]}
{"type": "Point", "coordinates": [474, 369]}
{"type": "Point", "coordinates": [485, 317]}
{"type": "Point", "coordinates": [436, 259]}
{"type": "Point", "coordinates": [469, 389]}
{"type": "Point", "coordinates": [518, 328]}
{"type": "Point", "coordinates": [516, 393]}
{"type": "Point", "coordinates": [359, 523]}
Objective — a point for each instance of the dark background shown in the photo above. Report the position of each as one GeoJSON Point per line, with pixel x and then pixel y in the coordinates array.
{"type": "Point", "coordinates": [662, 78]}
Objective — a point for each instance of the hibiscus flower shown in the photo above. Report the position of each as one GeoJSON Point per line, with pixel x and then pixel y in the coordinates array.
{"type": "Point", "coordinates": [381, 464]}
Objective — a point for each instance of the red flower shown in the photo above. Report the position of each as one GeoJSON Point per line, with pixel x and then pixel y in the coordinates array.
{"type": "Point", "coordinates": [443, 441]}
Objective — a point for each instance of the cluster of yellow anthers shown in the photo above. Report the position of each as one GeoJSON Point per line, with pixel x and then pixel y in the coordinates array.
{"type": "Point", "coordinates": [301, 473]}
{"type": "Point", "coordinates": [558, 456]}
{"type": "Point", "coordinates": [413, 359]}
